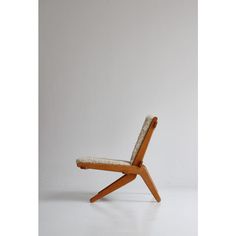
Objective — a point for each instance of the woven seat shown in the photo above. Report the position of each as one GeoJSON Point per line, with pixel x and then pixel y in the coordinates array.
{"type": "Point", "coordinates": [102, 161]}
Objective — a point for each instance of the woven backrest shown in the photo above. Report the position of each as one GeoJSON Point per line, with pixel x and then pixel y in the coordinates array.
{"type": "Point", "coordinates": [141, 136]}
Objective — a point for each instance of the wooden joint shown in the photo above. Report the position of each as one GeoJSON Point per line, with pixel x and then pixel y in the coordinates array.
{"type": "Point", "coordinates": [140, 164]}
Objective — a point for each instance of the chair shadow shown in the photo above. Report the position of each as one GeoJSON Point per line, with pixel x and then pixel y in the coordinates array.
{"type": "Point", "coordinates": [65, 196]}
{"type": "Point", "coordinates": [75, 196]}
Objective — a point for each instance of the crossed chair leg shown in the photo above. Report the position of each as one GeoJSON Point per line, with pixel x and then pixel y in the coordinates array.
{"type": "Point", "coordinates": [125, 179]}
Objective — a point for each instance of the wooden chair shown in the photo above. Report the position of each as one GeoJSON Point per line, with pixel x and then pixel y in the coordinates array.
{"type": "Point", "coordinates": [131, 168]}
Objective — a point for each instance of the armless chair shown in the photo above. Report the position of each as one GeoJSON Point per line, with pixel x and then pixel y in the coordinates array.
{"type": "Point", "coordinates": [131, 168]}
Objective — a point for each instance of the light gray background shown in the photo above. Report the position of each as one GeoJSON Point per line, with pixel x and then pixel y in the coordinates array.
{"type": "Point", "coordinates": [105, 65]}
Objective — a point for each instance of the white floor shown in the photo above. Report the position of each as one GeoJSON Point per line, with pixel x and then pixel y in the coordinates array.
{"type": "Point", "coordinates": [68, 213]}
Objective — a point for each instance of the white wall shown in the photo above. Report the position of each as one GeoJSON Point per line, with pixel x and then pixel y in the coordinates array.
{"type": "Point", "coordinates": [104, 65]}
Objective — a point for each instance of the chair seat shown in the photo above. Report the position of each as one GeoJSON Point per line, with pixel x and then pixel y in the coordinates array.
{"type": "Point", "coordinates": [102, 161]}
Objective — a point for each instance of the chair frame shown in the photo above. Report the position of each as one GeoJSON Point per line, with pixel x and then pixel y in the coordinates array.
{"type": "Point", "coordinates": [130, 172]}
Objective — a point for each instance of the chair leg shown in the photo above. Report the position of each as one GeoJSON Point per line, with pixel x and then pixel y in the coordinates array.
{"type": "Point", "coordinates": [148, 181]}
{"type": "Point", "coordinates": [125, 179]}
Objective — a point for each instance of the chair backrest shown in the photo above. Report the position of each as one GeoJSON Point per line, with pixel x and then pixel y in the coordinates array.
{"type": "Point", "coordinates": [143, 139]}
